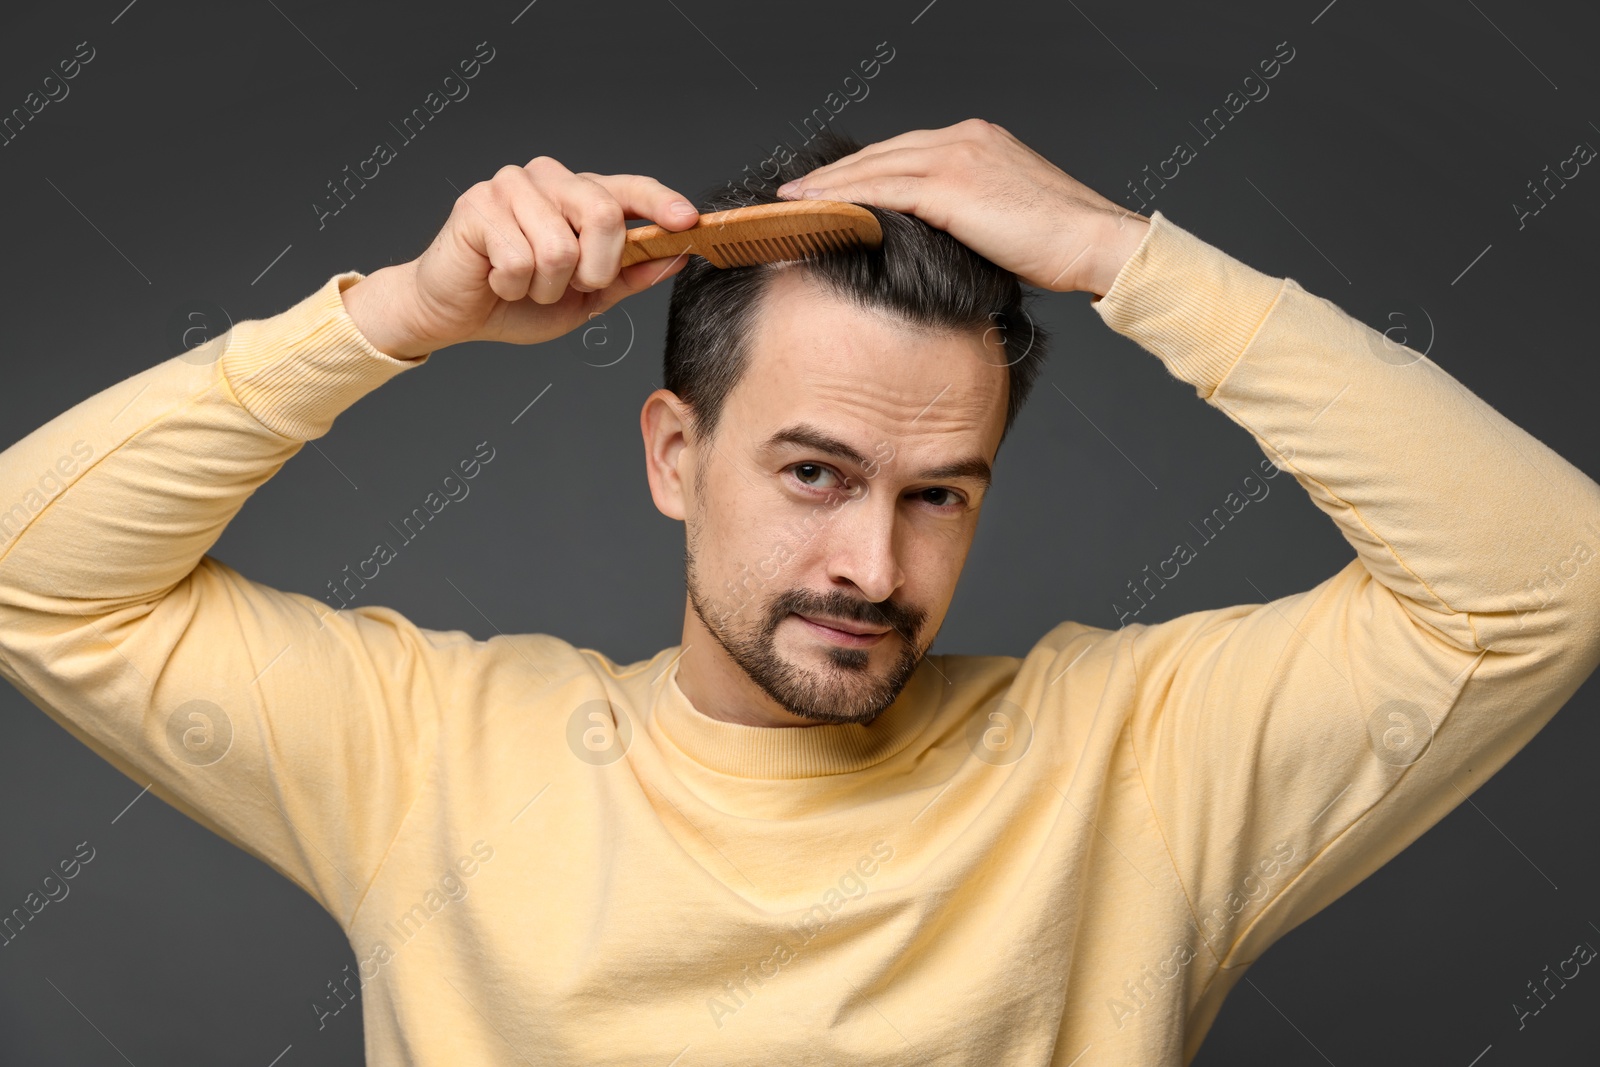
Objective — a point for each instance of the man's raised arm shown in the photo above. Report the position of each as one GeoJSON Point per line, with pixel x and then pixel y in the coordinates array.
{"type": "Point", "coordinates": [296, 732]}
{"type": "Point", "coordinates": [1347, 719]}
{"type": "Point", "coordinates": [1336, 725]}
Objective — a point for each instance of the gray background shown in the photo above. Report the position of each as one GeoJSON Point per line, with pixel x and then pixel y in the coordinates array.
{"type": "Point", "coordinates": [1383, 163]}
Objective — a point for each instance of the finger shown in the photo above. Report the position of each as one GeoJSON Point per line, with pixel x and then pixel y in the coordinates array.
{"type": "Point", "coordinates": [597, 218]}
{"type": "Point", "coordinates": [892, 179]}
{"type": "Point", "coordinates": [524, 319]}
{"type": "Point", "coordinates": [548, 231]}
{"type": "Point", "coordinates": [910, 139]}
{"type": "Point", "coordinates": [845, 181]}
{"type": "Point", "coordinates": [597, 206]}
{"type": "Point", "coordinates": [487, 226]}
{"type": "Point", "coordinates": [643, 197]}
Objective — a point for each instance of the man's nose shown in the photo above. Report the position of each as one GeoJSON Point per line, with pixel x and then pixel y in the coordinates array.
{"type": "Point", "coordinates": [863, 546]}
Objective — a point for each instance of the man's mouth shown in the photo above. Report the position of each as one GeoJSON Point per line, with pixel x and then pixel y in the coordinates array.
{"type": "Point", "coordinates": [854, 634]}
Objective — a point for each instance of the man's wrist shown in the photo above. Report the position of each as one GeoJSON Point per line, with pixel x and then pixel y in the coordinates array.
{"type": "Point", "coordinates": [372, 305]}
{"type": "Point", "coordinates": [1121, 235]}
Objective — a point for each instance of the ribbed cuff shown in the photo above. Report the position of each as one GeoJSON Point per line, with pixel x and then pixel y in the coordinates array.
{"type": "Point", "coordinates": [1188, 303]}
{"type": "Point", "coordinates": [296, 371]}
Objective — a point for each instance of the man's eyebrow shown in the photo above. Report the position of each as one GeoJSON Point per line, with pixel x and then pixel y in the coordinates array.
{"type": "Point", "coordinates": [804, 435]}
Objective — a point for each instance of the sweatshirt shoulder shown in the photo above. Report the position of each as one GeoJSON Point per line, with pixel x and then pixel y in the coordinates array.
{"type": "Point", "coordinates": [533, 670]}
{"type": "Point", "coordinates": [1030, 680]}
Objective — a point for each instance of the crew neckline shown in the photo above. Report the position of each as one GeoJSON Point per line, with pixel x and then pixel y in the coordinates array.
{"type": "Point", "coordinates": [796, 751]}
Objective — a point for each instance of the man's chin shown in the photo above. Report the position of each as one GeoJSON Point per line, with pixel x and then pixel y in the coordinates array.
{"type": "Point", "coordinates": [832, 693]}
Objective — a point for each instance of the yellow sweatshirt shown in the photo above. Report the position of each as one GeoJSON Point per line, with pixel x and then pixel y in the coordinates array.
{"type": "Point", "coordinates": [1070, 857]}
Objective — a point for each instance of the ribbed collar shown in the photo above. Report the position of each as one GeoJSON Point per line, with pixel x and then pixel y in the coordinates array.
{"type": "Point", "coordinates": [795, 751]}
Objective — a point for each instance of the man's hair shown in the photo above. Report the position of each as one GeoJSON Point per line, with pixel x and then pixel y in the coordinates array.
{"type": "Point", "coordinates": [920, 273]}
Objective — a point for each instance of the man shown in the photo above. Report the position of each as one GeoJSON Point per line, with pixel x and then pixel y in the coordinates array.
{"type": "Point", "coordinates": [794, 837]}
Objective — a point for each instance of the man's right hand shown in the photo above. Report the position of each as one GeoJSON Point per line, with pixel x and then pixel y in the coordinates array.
{"type": "Point", "coordinates": [526, 256]}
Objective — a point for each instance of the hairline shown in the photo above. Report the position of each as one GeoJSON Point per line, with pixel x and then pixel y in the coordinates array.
{"type": "Point", "coordinates": [743, 353]}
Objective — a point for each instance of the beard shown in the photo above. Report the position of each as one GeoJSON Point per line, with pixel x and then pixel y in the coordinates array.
{"type": "Point", "coordinates": [845, 689]}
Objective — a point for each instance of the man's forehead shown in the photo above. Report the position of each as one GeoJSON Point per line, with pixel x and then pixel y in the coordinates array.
{"type": "Point", "coordinates": [816, 356]}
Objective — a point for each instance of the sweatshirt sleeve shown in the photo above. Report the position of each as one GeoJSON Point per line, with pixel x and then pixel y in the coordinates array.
{"type": "Point", "coordinates": [1291, 748]}
{"type": "Point", "coordinates": [290, 729]}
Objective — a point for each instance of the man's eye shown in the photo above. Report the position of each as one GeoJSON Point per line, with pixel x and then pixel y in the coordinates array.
{"type": "Point", "coordinates": [811, 475]}
{"type": "Point", "coordinates": [942, 497]}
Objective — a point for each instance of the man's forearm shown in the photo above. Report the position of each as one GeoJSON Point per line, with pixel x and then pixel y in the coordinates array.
{"type": "Point", "coordinates": [116, 623]}
{"type": "Point", "coordinates": [1448, 503]}
{"type": "Point", "coordinates": [177, 450]}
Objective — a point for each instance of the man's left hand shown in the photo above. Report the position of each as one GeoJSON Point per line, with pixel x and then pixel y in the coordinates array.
{"type": "Point", "coordinates": [995, 195]}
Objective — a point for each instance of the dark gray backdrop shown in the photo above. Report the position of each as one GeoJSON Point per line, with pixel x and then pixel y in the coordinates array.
{"type": "Point", "coordinates": [1380, 172]}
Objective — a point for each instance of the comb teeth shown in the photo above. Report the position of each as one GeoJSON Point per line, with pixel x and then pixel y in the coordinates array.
{"type": "Point", "coordinates": [796, 246]}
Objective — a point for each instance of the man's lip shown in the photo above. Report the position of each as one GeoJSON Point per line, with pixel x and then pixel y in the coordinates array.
{"type": "Point", "coordinates": [847, 627]}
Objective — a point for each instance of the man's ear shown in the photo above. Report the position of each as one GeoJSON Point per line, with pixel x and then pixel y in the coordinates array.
{"type": "Point", "coordinates": [668, 456]}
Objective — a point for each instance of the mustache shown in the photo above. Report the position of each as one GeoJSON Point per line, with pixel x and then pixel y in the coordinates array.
{"type": "Point", "coordinates": [903, 618]}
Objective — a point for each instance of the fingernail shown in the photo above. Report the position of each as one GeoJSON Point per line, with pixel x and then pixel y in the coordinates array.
{"type": "Point", "coordinates": [812, 194]}
{"type": "Point", "coordinates": [788, 188]}
{"type": "Point", "coordinates": [681, 207]}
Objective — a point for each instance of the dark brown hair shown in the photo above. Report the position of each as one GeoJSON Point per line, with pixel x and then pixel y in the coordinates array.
{"type": "Point", "coordinates": [920, 273]}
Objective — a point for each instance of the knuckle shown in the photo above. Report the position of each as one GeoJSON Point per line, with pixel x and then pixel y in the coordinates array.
{"type": "Point", "coordinates": [506, 182]}
{"type": "Point", "coordinates": [474, 192]}
{"type": "Point", "coordinates": [982, 130]}
{"type": "Point", "coordinates": [605, 214]}
{"type": "Point", "coordinates": [545, 164]}
{"type": "Point", "coordinates": [558, 253]}
{"type": "Point", "coordinates": [519, 258]}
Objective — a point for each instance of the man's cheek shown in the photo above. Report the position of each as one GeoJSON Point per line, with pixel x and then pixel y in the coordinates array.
{"type": "Point", "coordinates": [768, 568]}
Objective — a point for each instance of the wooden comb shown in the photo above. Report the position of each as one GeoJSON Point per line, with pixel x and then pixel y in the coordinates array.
{"type": "Point", "coordinates": [760, 233]}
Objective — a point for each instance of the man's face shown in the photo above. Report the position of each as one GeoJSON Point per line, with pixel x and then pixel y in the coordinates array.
{"type": "Point", "coordinates": [842, 484]}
